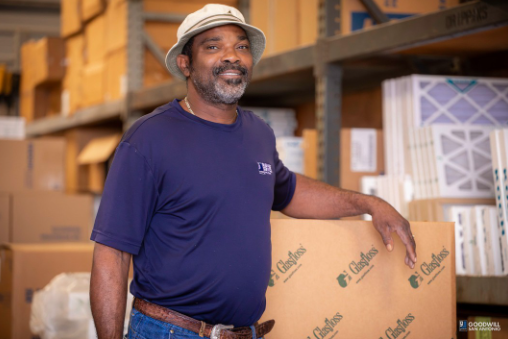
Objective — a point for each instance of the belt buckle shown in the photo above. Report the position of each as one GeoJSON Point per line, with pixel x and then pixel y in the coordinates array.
{"type": "Point", "coordinates": [217, 328]}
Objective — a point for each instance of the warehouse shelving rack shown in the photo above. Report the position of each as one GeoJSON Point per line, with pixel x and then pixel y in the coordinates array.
{"type": "Point", "coordinates": [321, 71]}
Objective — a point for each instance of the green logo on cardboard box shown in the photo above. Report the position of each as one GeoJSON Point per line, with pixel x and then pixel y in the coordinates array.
{"type": "Point", "coordinates": [356, 267]}
{"type": "Point", "coordinates": [322, 332]}
{"type": "Point", "coordinates": [427, 268]}
{"type": "Point", "coordinates": [285, 265]}
{"type": "Point", "coordinates": [402, 325]}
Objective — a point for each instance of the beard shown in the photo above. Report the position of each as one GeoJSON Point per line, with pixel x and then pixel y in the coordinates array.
{"type": "Point", "coordinates": [215, 91]}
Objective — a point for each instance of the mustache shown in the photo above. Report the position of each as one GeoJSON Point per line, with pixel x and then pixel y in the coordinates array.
{"type": "Point", "coordinates": [228, 67]}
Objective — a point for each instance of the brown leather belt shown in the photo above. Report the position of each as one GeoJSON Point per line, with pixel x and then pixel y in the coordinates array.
{"type": "Point", "coordinates": [199, 327]}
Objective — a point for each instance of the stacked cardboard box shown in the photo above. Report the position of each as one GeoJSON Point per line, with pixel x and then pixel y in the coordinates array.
{"type": "Point", "coordinates": [329, 276]}
{"type": "Point", "coordinates": [96, 36]}
{"type": "Point", "coordinates": [27, 268]}
{"type": "Point", "coordinates": [289, 24]}
{"type": "Point", "coordinates": [42, 62]}
{"type": "Point", "coordinates": [88, 176]}
{"type": "Point", "coordinates": [35, 210]}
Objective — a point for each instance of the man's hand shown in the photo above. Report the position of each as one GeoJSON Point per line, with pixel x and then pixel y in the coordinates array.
{"type": "Point", "coordinates": [387, 220]}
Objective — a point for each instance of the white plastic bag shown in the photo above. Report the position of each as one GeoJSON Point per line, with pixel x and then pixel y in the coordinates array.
{"type": "Point", "coordinates": [61, 310]}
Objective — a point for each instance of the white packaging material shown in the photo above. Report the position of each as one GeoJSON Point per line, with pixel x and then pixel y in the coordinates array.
{"type": "Point", "coordinates": [12, 128]}
{"type": "Point", "coordinates": [416, 101]}
{"type": "Point", "coordinates": [61, 310]}
{"type": "Point", "coordinates": [495, 263]}
{"type": "Point", "coordinates": [396, 190]}
{"type": "Point", "coordinates": [456, 213]}
{"type": "Point", "coordinates": [480, 240]}
{"type": "Point", "coordinates": [291, 153]}
{"type": "Point", "coordinates": [499, 146]}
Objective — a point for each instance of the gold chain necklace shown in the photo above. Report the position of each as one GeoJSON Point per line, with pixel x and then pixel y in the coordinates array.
{"type": "Point", "coordinates": [190, 109]}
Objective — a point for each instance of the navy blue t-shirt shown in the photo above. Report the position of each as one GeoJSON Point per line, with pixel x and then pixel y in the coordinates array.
{"type": "Point", "coordinates": [191, 200]}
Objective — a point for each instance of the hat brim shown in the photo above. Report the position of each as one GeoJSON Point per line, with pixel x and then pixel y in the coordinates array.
{"type": "Point", "coordinates": [256, 38]}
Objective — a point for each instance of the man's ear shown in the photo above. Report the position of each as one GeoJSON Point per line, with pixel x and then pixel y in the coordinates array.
{"type": "Point", "coordinates": [182, 61]}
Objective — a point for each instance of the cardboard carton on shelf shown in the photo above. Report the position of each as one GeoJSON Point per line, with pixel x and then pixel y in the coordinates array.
{"type": "Point", "coordinates": [92, 8]}
{"type": "Point", "coordinates": [287, 24]}
{"type": "Point", "coordinates": [76, 175]}
{"type": "Point", "coordinates": [42, 101]}
{"type": "Point", "coordinates": [5, 204]}
{"type": "Point", "coordinates": [310, 156]}
{"type": "Point", "coordinates": [95, 157]}
{"type": "Point", "coordinates": [33, 164]}
{"type": "Point", "coordinates": [43, 70]}
{"type": "Point", "coordinates": [27, 268]}
{"type": "Point", "coordinates": [46, 217]}
{"type": "Point", "coordinates": [72, 86]}
{"type": "Point", "coordinates": [42, 61]}
{"type": "Point", "coordinates": [329, 276]}
{"type": "Point", "coordinates": [71, 17]}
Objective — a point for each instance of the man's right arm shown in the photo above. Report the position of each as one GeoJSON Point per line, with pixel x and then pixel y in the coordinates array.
{"type": "Point", "coordinates": [108, 290]}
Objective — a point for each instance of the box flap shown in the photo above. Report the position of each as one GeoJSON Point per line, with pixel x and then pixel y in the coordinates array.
{"type": "Point", "coordinates": [99, 150]}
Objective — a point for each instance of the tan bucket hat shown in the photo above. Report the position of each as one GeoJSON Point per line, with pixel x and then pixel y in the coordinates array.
{"type": "Point", "coordinates": [213, 15]}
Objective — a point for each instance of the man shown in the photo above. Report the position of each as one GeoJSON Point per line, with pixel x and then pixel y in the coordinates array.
{"type": "Point", "coordinates": [189, 195]}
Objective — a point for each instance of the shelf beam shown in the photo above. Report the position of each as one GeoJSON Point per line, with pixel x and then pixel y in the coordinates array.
{"type": "Point", "coordinates": [418, 30]}
{"type": "Point", "coordinates": [482, 290]}
{"type": "Point", "coordinates": [88, 116]}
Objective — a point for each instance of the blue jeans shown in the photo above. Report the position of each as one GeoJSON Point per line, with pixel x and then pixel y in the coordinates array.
{"type": "Point", "coordinates": [144, 327]}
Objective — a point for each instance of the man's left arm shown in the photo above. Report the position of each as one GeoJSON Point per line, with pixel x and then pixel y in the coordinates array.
{"type": "Point", "coordinates": [317, 200]}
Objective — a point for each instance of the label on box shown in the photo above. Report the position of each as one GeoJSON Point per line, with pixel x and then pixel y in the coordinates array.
{"type": "Point", "coordinates": [363, 150]}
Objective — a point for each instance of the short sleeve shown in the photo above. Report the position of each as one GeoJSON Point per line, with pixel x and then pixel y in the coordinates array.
{"type": "Point", "coordinates": [285, 184]}
{"type": "Point", "coordinates": [128, 201]}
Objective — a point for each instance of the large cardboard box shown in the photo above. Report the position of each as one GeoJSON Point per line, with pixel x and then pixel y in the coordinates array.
{"type": "Point", "coordinates": [437, 209]}
{"type": "Point", "coordinates": [4, 216]}
{"type": "Point", "coordinates": [32, 165]}
{"type": "Point", "coordinates": [310, 153]}
{"type": "Point", "coordinates": [28, 268]}
{"type": "Point", "coordinates": [73, 80]}
{"type": "Point", "coordinates": [38, 217]}
{"type": "Point", "coordinates": [287, 24]}
{"type": "Point", "coordinates": [42, 61]}
{"type": "Point", "coordinates": [77, 176]}
{"type": "Point", "coordinates": [94, 160]}
{"type": "Point", "coordinates": [335, 279]}
{"type": "Point", "coordinates": [116, 75]}
{"type": "Point", "coordinates": [92, 8]}
{"type": "Point", "coordinates": [94, 84]}
{"type": "Point", "coordinates": [354, 16]}
{"type": "Point", "coordinates": [41, 101]}
{"type": "Point", "coordinates": [95, 40]}
{"type": "Point", "coordinates": [71, 17]}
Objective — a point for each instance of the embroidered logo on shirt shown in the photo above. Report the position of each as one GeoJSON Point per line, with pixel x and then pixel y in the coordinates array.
{"type": "Point", "coordinates": [264, 169]}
